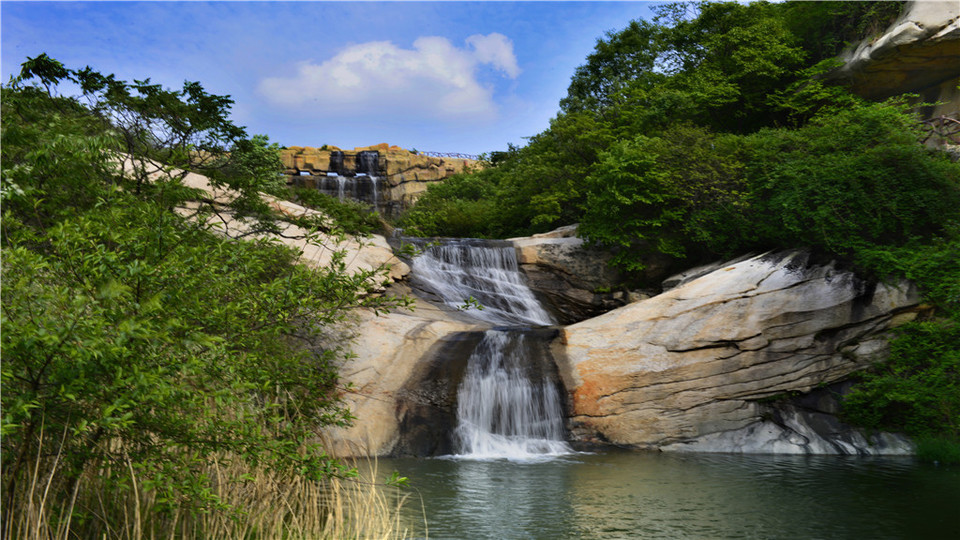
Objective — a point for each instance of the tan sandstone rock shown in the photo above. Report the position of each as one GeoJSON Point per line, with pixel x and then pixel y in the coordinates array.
{"type": "Point", "coordinates": [690, 362]}
{"type": "Point", "coordinates": [389, 350]}
{"type": "Point", "coordinates": [567, 274]}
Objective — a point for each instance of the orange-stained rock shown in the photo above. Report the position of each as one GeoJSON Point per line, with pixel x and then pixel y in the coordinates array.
{"type": "Point", "coordinates": [694, 360]}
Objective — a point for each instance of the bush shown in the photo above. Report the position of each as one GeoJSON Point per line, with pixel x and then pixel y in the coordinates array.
{"type": "Point", "coordinates": [350, 216]}
{"type": "Point", "coordinates": [681, 193]}
{"type": "Point", "coordinates": [938, 450]}
{"type": "Point", "coordinates": [917, 391]}
{"type": "Point", "coordinates": [138, 344]}
{"type": "Point", "coordinates": [461, 206]}
{"type": "Point", "coordinates": [850, 180]}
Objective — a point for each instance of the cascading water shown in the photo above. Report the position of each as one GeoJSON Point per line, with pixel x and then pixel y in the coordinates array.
{"type": "Point", "coordinates": [457, 270]}
{"type": "Point", "coordinates": [501, 410]}
{"type": "Point", "coordinates": [507, 406]}
{"type": "Point", "coordinates": [360, 183]}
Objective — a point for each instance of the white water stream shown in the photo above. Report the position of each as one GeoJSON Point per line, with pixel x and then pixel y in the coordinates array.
{"type": "Point", "coordinates": [506, 406]}
{"type": "Point", "coordinates": [458, 270]}
{"type": "Point", "coordinates": [502, 412]}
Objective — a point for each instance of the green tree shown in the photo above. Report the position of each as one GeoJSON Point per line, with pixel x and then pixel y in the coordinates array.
{"type": "Point", "coordinates": [850, 180]}
{"type": "Point", "coordinates": [681, 194]}
{"type": "Point", "coordinates": [136, 340]}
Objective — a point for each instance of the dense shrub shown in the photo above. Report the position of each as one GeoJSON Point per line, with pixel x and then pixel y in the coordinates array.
{"type": "Point", "coordinates": [348, 216]}
{"type": "Point", "coordinates": [138, 344]}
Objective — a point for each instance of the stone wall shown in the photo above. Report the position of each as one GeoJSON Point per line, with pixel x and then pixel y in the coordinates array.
{"type": "Point", "coordinates": [404, 175]}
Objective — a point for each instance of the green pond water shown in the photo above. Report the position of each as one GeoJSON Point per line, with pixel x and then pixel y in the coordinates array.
{"type": "Point", "coordinates": [703, 496]}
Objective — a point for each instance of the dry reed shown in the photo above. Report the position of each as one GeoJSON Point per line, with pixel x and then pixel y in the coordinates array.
{"type": "Point", "coordinates": [257, 504]}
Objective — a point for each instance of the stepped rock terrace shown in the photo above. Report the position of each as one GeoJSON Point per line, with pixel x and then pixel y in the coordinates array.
{"type": "Point", "coordinates": [405, 174]}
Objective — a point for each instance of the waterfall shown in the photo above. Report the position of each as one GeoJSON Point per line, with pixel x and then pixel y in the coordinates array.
{"type": "Point", "coordinates": [368, 163]}
{"type": "Point", "coordinates": [356, 181]}
{"type": "Point", "coordinates": [501, 410]}
{"type": "Point", "coordinates": [488, 272]}
{"type": "Point", "coordinates": [508, 405]}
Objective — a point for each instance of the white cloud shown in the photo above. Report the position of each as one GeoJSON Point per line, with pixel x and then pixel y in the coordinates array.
{"type": "Point", "coordinates": [497, 50]}
{"type": "Point", "coordinates": [433, 79]}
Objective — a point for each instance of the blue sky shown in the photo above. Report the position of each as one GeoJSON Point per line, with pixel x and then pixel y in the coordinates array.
{"type": "Point", "coordinates": [442, 76]}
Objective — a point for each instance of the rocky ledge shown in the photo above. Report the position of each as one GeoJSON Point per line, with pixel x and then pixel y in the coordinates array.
{"type": "Point", "coordinates": [919, 53]}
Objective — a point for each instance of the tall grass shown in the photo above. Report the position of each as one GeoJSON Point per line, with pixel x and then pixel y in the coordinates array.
{"type": "Point", "coordinates": [253, 504]}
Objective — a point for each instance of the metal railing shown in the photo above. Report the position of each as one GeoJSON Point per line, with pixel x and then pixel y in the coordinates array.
{"type": "Point", "coordinates": [448, 154]}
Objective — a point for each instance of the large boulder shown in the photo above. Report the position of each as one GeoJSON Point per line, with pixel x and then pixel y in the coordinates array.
{"type": "Point", "coordinates": [693, 361]}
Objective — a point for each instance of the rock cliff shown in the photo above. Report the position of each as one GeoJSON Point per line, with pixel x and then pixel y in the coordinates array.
{"type": "Point", "coordinates": [693, 361]}
{"type": "Point", "coordinates": [919, 53]}
{"type": "Point", "coordinates": [388, 380]}
{"type": "Point", "coordinates": [575, 280]}
{"type": "Point", "coordinates": [406, 174]}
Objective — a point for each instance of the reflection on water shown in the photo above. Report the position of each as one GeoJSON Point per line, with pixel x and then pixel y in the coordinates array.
{"type": "Point", "coordinates": [651, 495]}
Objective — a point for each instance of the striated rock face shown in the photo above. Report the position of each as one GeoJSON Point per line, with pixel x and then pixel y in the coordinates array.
{"type": "Point", "coordinates": [806, 424]}
{"type": "Point", "coordinates": [692, 362]}
{"type": "Point", "coordinates": [919, 53]}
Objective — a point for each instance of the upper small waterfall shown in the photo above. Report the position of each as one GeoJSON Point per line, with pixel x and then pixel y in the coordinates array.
{"type": "Point", "coordinates": [487, 271]}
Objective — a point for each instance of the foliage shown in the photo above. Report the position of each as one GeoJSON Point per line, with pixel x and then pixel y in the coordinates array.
{"type": "Point", "coordinates": [917, 390]}
{"type": "Point", "coordinates": [938, 450]}
{"type": "Point", "coordinates": [727, 60]}
{"type": "Point", "coordinates": [140, 342]}
{"type": "Point", "coordinates": [462, 205]}
{"type": "Point", "coordinates": [826, 28]}
{"type": "Point", "coordinates": [727, 67]}
{"type": "Point", "coordinates": [855, 183]}
{"type": "Point", "coordinates": [187, 129]}
{"type": "Point", "coordinates": [527, 190]}
{"type": "Point", "coordinates": [251, 167]}
{"type": "Point", "coordinates": [849, 180]}
{"type": "Point", "coordinates": [347, 216]}
{"type": "Point", "coordinates": [617, 62]}
{"type": "Point", "coordinates": [665, 194]}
